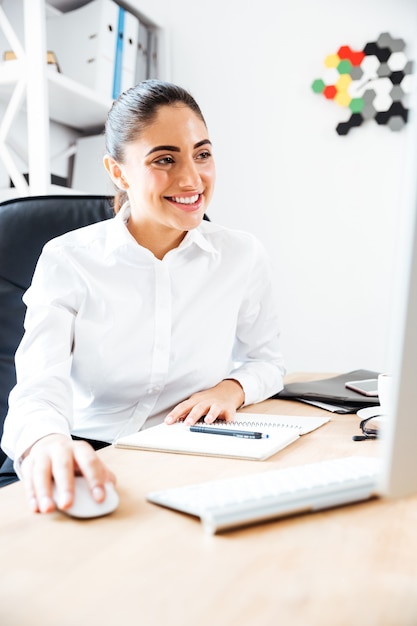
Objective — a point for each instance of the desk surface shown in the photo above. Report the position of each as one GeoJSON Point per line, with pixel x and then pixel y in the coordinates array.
{"type": "Point", "coordinates": [147, 565]}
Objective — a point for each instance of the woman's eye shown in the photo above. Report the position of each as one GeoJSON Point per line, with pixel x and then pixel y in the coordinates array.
{"type": "Point", "coordinates": [166, 160]}
{"type": "Point", "coordinates": [204, 155]}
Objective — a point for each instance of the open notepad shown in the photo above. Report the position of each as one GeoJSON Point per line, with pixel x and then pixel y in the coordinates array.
{"type": "Point", "coordinates": [281, 431]}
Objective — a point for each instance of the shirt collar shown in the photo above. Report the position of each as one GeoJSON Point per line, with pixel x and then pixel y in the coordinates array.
{"type": "Point", "coordinates": [120, 237]}
{"type": "Point", "coordinates": [197, 236]}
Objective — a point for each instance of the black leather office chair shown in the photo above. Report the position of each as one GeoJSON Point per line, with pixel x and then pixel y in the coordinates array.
{"type": "Point", "coordinates": [26, 224]}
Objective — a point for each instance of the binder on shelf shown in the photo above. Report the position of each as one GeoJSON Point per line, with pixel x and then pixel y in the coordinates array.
{"type": "Point", "coordinates": [141, 71]}
{"type": "Point", "coordinates": [118, 57]}
{"type": "Point", "coordinates": [90, 45]}
{"type": "Point", "coordinates": [84, 42]}
{"type": "Point", "coordinates": [130, 46]}
{"type": "Point", "coordinates": [88, 173]}
{"type": "Point", "coordinates": [152, 58]}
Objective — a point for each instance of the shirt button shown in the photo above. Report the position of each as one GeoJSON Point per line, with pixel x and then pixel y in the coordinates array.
{"type": "Point", "coordinates": [155, 389]}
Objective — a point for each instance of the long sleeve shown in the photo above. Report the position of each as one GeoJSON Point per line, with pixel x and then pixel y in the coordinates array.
{"type": "Point", "coordinates": [257, 351]}
{"type": "Point", "coordinates": [41, 402]}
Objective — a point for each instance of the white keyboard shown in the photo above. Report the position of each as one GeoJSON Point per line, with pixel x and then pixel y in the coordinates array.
{"type": "Point", "coordinates": [231, 502]}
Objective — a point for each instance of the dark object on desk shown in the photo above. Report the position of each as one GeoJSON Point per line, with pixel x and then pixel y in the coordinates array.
{"type": "Point", "coordinates": [370, 428]}
{"type": "Point", "coordinates": [332, 392]}
{"type": "Point", "coordinates": [243, 434]}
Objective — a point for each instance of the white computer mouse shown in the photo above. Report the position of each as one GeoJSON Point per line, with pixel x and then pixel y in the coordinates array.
{"type": "Point", "coordinates": [84, 505]}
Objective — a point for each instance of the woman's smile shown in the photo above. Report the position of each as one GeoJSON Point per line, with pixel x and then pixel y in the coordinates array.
{"type": "Point", "coordinates": [186, 202]}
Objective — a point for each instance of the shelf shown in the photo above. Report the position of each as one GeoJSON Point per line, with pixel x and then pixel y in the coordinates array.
{"type": "Point", "coordinates": [75, 105]}
{"type": "Point", "coordinates": [70, 103]}
{"type": "Point", "coordinates": [62, 6]}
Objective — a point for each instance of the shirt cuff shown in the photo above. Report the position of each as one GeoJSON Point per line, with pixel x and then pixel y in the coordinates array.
{"type": "Point", "coordinates": [256, 390]}
{"type": "Point", "coordinates": [28, 438]}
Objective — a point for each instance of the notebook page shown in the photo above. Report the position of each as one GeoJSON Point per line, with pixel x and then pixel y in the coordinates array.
{"type": "Point", "coordinates": [178, 438]}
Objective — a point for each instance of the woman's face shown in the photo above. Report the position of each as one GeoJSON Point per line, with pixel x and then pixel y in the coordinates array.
{"type": "Point", "coordinates": [169, 170]}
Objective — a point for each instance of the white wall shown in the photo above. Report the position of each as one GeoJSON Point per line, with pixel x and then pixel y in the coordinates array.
{"type": "Point", "coordinates": [325, 206]}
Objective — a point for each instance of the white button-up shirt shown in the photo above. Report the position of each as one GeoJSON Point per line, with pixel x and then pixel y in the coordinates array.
{"type": "Point", "coordinates": [116, 337]}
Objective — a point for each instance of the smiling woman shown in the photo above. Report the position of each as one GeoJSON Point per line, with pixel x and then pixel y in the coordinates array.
{"type": "Point", "coordinates": [153, 315]}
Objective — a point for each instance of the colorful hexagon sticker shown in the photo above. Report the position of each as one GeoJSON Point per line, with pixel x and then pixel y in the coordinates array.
{"type": "Point", "coordinates": [373, 83]}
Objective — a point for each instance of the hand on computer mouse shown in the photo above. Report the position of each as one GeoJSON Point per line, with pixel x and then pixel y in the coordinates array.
{"type": "Point", "coordinates": [85, 506]}
{"type": "Point", "coordinates": [51, 466]}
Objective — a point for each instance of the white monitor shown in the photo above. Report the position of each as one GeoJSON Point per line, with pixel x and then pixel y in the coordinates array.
{"type": "Point", "coordinates": [399, 441]}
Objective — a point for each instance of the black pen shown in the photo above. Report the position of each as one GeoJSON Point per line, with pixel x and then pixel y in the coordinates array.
{"type": "Point", "coordinates": [243, 434]}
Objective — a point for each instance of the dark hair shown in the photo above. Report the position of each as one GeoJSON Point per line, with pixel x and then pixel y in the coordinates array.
{"type": "Point", "coordinates": [134, 110]}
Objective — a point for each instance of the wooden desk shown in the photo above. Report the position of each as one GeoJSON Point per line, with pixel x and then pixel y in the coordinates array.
{"type": "Point", "coordinates": [149, 566]}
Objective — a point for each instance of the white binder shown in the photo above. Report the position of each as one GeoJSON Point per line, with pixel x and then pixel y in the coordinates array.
{"type": "Point", "coordinates": [84, 41]}
{"type": "Point", "coordinates": [89, 174]}
{"type": "Point", "coordinates": [153, 60]}
{"type": "Point", "coordinates": [142, 54]}
{"type": "Point", "coordinates": [130, 47]}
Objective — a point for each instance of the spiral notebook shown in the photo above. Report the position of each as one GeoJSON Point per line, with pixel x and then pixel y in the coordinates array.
{"type": "Point", "coordinates": [279, 431]}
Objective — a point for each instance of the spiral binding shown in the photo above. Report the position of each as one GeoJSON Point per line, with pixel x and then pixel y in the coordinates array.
{"type": "Point", "coordinates": [248, 424]}
{"type": "Point", "coordinates": [252, 424]}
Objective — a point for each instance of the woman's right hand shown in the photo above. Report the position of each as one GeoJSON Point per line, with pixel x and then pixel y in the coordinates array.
{"type": "Point", "coordinates": [57, 459]}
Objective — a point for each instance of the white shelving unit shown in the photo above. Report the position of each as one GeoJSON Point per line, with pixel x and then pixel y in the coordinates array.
{"type": "Point", "coordinates": [27, 83]}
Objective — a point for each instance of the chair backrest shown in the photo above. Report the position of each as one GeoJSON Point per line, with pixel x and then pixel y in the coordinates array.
{"type": "Point", "coordinates": [26, 224]}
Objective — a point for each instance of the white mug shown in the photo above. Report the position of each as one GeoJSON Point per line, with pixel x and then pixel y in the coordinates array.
{"type": "Point", "coordinates": [385, 393]}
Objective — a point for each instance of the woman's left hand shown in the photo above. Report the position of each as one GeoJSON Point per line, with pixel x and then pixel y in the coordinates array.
{"type": "Point", "coordinates": [218, 402]}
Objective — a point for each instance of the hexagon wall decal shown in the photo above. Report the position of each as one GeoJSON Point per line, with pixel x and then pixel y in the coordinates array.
{"type": "Point", "coordinates": [373, 83]}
